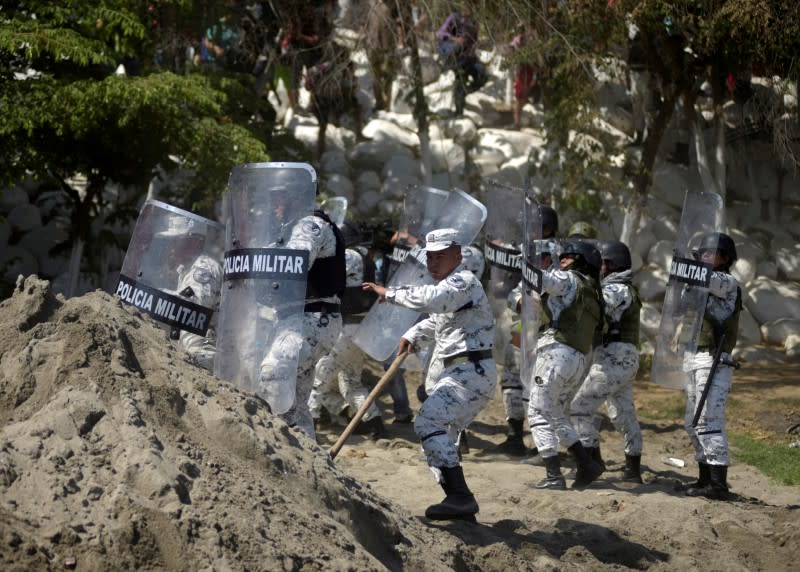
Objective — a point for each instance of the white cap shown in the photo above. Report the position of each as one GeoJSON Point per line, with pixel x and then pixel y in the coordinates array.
{"type": "Point", "coordinates": [441, 239]}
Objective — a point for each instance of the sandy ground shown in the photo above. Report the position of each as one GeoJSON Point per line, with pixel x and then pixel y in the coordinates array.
{"type": "Point", "coordinates": [117, 454]}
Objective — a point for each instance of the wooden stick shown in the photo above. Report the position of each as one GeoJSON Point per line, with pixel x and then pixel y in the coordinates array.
{"type": "Point", "coordinates": [373, 395]}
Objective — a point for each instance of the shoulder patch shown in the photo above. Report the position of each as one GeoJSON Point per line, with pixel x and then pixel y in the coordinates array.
{"type": "Point", "coordinates": [456, 281]}
{"type": "Point", "coordinates": [311, 227]}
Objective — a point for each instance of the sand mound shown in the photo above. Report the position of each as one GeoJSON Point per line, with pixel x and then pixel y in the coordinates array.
{"type": "Point", "coordinates": [119, 454]}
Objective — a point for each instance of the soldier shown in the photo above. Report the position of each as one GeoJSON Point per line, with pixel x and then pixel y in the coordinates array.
{"type": "Point", "coordinates": [176, 268]}
{"type": "Point", "coordinates": [718, 333]}
{"type": "Point", "coordinates": [337, 382]}
{"type": "Point", "coordinates": [201, 284]}
{"type": "Point", "coordinates": [311, 338]}
{"type": "Point", "coordinates": [614, 363]}
{"type": "Point", "coordinates": [582, 229]}
{"type": "Point", "coordinates": [574, 308]}
{"type": "Point", "coordinates": [462, 326]}
{"type": "Point", "coordinates": [515, 398]}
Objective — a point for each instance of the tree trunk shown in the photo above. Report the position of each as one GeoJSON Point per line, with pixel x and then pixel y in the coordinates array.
{"type": "Point", "coordinates": [420, 104]}
{"type": "Point", "coordinates": [75, 266]}
{"type": "Point", "coordinates": [643, 178]}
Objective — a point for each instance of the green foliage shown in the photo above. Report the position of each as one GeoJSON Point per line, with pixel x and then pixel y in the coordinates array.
{"type": "Point", "coordinates": [775, 460]}
{"type": "Point", "coordinates": [65, 112]}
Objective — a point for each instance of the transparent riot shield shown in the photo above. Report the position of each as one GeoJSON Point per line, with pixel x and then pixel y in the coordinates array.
{"type": "Point", "coordinates": [336, 209]}
{"type": "Point", "coordinates": [172, 267]}
{"type": "Point", "coordinates": [502, 249]}
{"type": "Point", "coordinates": [687, 289]}
{"type": "Point", "coordinates": [261, 312]}
{"type": "Point", "coordinates": [421, 206]}
{"type": "Point", "coordinates": [380, 331]}
{"type": "Point", "coordinates": [531, 306]}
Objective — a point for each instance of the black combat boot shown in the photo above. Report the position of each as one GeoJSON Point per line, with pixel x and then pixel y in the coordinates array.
{"type": "Point", "coordinates": [594, 454]}
{"type": "Point", "coordinates": [459, 504]}
{"type": "Point", "coordinates": [553, 478]}
{"type": "Point", "coordinates": [514, 444]}
{"type": "Point", "coordinates": [702, 480]}
{"type": "Point", "coordinates": [633, 471]}
{"type": "Point", "coordinates": [588, 469]}
{"type": "Point", "coordinates": [374, 428]}
{"type": "Point", "coordinates": [717, 486]}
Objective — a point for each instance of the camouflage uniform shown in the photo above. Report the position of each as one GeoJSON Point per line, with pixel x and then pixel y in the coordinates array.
{"type": "Point", "coordinates": [471, 261]}
{"type": "Point", "coordinates": [345, 359]}
{"type": "Point", "coordinates": [204, 280]}
{"type": "Point", "coordinates": [516, 391]}
{"type": "Point", "coordinates": [308, 336]}
{"type": "Point", "coordinates": [709, 438]}
{"type": "Point", "coordinates": [611, 375]}
{"type": "Point", "coordinates": [557, 372]}
{"type": "Point", "coordinates": [460, 321]}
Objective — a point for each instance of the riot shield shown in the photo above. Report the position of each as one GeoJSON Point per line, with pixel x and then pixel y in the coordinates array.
{"type": "Point", "coordinates": [380, 331]}
{"type": "Point", "coordinates": [264, 281]}
{"type": "Point", "coordinates": [531, 306]}
{"type": "Point", "coordinates": [171, 269]}
{"type": "Point", "coordinates": [421, 206]}
{"type": "Point", "coordinates": [687, 289]}
{"type": "Point", "coordinates": [335, 208]}
{"type": "Point", "coordinates": [502, 249]}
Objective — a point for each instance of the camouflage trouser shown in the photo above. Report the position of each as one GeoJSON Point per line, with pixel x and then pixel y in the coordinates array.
{"type": "Point", "coordinates": [305, 346]}
{"type": "Point", "coordinates": [201, 349]}
{"type": "Point", "coordinates": [556, 374]}
{"type": "Point", "coordinates": [460, 393]}
{"type": "Point", "coordinates": [610, 379]}
{"type": "Point", "coordinates": [515, 400]}
{"type": "Point", "coordinates": [709, 438]}
{"type": "Point", "coordinates": [335, 392]}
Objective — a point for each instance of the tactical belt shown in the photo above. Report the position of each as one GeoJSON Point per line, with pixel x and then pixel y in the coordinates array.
{"type": "Point", "coordinates": [322, 307]}
{"type": "Point", "coordinates": [467, 357]}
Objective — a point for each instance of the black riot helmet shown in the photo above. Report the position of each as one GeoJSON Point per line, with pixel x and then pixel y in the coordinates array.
{"type": "Point", "coordinates": [617, 252]}
{"type": "Point", "coordinates": [721, 242]}
{"type": "Point", "coordinates": [549, 219]}
{"type": "Point", "coordinates": [587, 257]}
{"type": "Point", "coordinates": [351, 233]}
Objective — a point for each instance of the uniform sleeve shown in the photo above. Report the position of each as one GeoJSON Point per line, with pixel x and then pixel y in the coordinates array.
{"type": "Point", "coordinates": [515, 297]}
{"type": "Point", "coordinates": [422, 331]}
{"type": "Point", "coordinates": [354, 268]}
{"type": "Point", "coordinates": [449, 295]}
{"type": "Point", "coordinates": [558, 282]}
{"type": "Point", "coordinates": [617, 298]}
{"type": "Point", "coordinates": [722, 285]}
{"type": "Point", "coordinates": [313, 235]}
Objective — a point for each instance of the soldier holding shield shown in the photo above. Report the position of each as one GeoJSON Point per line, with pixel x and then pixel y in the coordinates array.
{"type": "Point", "coordinates": [614, 363]}
{"type": "Point", "coordinates": [705, 423]}
{"type": "Point", "coordinates": [462, 325]}
{"type": "Point", "coordinates": [699, 325]}
{"type": "Point", "coordinates": [571, 300]}
{"type": "Point", "coordinates": [284, 274]}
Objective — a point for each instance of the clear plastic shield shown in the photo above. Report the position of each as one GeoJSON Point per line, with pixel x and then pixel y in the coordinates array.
{"type": "Point", "coordinates": [380, 331]}
{"type": "Point", "coordinates": [531, 307]}
{"type": "Point", "coordinates": [336, 209]}
{"type": "Point", "coordinates": [421, 206]}
{"type": "Point", "coordinates": [261, 311]}
{"type": "Point", "coordinates": [502, 249]}
{"type": "Point", "coordinates": [687, 289]}
{"type": "Point", "coordinates": [172, 268]}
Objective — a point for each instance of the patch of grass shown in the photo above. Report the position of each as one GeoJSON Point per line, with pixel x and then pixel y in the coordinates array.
{"type": "Point", "coordinates": [671, 407]}
{"type": "Point", "coordinates": [777, 461]}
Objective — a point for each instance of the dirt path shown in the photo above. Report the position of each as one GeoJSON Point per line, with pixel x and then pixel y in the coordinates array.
{"type": "Point", "coordinates": [612, 524]}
